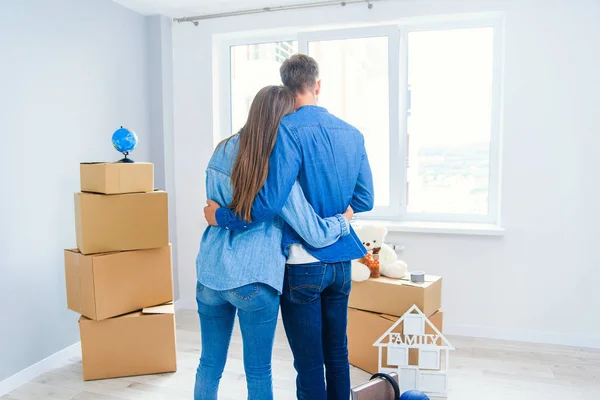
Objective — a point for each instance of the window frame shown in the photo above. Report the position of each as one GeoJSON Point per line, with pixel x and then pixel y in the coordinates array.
{"type": "Point", "coordinates": [493, 214]}
{"type": "Point", "coordinates": [397, 35]}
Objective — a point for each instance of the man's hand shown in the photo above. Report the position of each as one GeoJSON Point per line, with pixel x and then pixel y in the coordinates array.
{"type": "Point", "coordinates": [210, 211]}
{"type": "Point", "coordinates": [349, 214]}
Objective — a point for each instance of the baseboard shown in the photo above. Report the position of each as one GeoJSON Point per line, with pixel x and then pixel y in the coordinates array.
{"type": "Point", "coordinates": [523, 336]}
{"type": "Point", "coordinates": [47, 364]}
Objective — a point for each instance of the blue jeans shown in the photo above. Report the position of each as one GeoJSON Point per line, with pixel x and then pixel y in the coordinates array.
{"type": "Point", "coordinates": [314, 307]}
{"type": "Point", "coordinates": [257, 306]}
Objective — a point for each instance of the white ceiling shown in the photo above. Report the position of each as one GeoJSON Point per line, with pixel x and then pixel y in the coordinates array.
{"type": "Point", "coordinates": [178, 8]}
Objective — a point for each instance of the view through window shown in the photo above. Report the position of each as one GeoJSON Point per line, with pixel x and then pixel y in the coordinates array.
{"type": "Point", "coordinates": [355, 88]}
{"type": "Point", "coordinates": [449, 120]}
{"type": "Point", "coordinates": [253, 67]}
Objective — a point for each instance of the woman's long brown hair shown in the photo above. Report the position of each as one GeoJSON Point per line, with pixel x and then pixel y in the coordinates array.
{"type": "Point", "coordinates": [256, 142]}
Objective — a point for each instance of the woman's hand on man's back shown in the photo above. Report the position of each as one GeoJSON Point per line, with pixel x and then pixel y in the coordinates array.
{"type": "Point", "coordinates": [210, 212]}
{"type": "Point", "coordinates": [349, 214]}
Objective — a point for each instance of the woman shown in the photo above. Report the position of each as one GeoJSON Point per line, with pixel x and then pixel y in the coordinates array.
{"type": "Point", "coordinates": [243, 271]}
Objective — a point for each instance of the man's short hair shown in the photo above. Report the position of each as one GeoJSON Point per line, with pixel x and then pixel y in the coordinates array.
{"type": "Point", "coordinates": [299, 73]}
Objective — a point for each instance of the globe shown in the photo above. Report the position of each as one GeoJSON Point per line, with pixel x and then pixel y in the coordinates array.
{"type": "Point", "coordinates": [124, 140]}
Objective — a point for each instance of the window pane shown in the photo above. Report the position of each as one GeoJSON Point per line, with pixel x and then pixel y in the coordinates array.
{"type": "Point", "coordinates": [449, 122]}
{"type": "Point", "coordinates": [253, 67]}
{"type": "Point", "coordinates": [354, 87]}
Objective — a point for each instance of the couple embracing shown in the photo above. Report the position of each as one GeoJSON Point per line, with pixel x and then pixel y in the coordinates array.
{"type": "Point", "coordinates": [283, 191]}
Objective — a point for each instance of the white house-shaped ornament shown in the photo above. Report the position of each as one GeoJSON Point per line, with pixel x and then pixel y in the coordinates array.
{"type": "Point", "coordinates": [431, 374]}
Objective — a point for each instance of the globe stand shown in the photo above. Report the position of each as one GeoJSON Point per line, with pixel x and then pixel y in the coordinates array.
{"type": "Point", "coordinates": [125, 159]}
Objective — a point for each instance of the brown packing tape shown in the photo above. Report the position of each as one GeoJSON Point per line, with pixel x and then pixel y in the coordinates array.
{"type": "Point", "coordinates": [118, 185]}
{"type": "Point", "coordinates": [93, 283]}
{"type": "Point", "coordinates": [78, 279]}
{"type": "Point", "coordinates": [74, 281]}
{"type": "Point", "coordinates": [79, 226]}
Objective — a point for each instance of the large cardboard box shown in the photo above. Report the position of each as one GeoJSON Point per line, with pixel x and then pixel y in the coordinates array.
{"type": "Point", "coordinates": [105, 285]}
{"type": "Point", "coordinates": [139, 343]}
{"type": "Point", "coordinates": [119, 222]}
{"type": "Point", "coordinates": [117, 178]}
{"type": "Point", "coordinates": [395, 296]}
{"type": "Point", "coordinates": [364, 328]}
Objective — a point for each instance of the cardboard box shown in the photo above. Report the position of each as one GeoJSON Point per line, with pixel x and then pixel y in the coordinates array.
{"type": "Point", "coordinates": [364, 328]}
{"type": "Point", "coordinates": [139, 343]}
{"type": "Point", "coordinates": [117, 178]}
{"type": "Point", "coordinates": [121, 222]}
{"type": "Point", "coordinates": [396, 296]}
{"type": "Point", "coordinates": [105, 285]}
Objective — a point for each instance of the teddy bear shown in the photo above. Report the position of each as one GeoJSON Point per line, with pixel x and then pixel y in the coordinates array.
{"type": "Point", "coordinates": [381, 259]}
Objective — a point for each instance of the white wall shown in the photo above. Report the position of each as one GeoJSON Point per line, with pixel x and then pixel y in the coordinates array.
{"type": "Point", "coordinates": [160, 97]}
{"type": "Point", "coordinates": [538, 282]}
{"type": "Point", "coordinates": [71, 72]}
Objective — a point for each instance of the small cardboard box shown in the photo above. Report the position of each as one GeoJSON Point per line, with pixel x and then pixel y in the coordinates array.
{"type": "Point", "coordinates": [396, 296]}
{"type": "Point", "coordinates": [105, 285]}
{"type": "Point", "coordinates": [117, 178]}
{"type": "Point", "coordinates": [364, 328]}
{"type": "Point", "coordinates": [121, 222]}
{"type": "Point", "coordinates": [139, 343]}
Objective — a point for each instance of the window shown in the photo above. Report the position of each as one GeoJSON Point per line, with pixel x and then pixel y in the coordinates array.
{"type": "Point", "coordinates": [253, 67]}
{"type": "Point", "coordinates": [426, 98]}
{"type": "Point", "coordinates": [355, 88]}
{"type": "Point", "coordinates": [449, 122]}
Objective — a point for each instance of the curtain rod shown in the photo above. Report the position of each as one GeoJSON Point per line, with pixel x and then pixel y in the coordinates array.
{"type": "Point", "coordinates": [194, 20]}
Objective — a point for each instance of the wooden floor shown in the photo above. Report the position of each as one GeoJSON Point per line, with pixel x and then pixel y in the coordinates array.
{"type": "Point", "coordinates": [480, 369]}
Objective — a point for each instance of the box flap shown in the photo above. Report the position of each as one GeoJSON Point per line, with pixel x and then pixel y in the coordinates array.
{"type": "Point", "coordinates": [133, 314]}
{"type": "Point", "coordinates": [77, 251]}
{"type": "Point", "coordinates": [79, 281]}
{"type": "Point", "coordinates": [372, 313]}
{"type": "Point", "coordinates": [167, 308]}
{"type": "Point", "coordinates": [110, 253]}
{"type": "Point", "coordinates": [122, 195]}
{"type": "Point", "coordinates": [389, 317]}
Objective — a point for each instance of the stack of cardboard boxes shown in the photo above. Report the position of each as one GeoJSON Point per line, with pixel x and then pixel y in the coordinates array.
{"type": "Point", "coordinates": [376, 304]}
{"type": "Point", "coordinates": [120, 276]}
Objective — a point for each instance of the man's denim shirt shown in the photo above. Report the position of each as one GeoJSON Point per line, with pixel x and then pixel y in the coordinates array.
{"type": "Point", "coordinates": [328, 157]}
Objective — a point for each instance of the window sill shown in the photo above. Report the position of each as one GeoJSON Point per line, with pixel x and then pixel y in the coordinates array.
{"type": "Point", "coordinates": [447, 228]}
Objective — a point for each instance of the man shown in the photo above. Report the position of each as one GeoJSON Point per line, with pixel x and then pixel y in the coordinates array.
{"type": "Point", "coordinates": [327, 156]}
